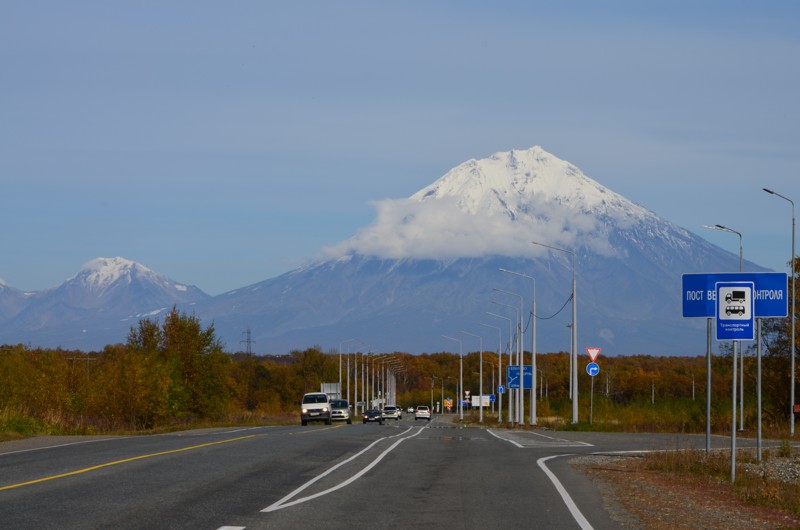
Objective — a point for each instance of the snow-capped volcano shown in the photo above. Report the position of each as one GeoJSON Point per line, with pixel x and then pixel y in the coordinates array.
{"type": "Point", "coordinates": [497, 206]}
{"type": "Point", "coordinates": [96, 306]}
{"type": "Point", "coordinates": [102, 273]}
{"type": "Point", "coordinates": [429, 264]}
{"type": "Point", "coordinates": [514, 183]}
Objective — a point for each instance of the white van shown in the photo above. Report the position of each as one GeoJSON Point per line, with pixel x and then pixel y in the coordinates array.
{"type": "Point", "coordinates": [315, 407]}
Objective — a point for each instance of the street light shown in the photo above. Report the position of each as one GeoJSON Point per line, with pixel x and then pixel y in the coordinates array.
{"type": "Point", "coordinates": [533, 342]}
{"type": "Point", "coordinates": [480, 382]}
{"type": "Point", "coordinates": [722, 228]}
{"type": "Point", "coordinates": [340, 364]}
{"type": "Point", "coordinates": [574, 345]}
{"type": "Point", "coordinates": [364, 379]}
{"type": "Point", "coordinates": [736, 344]}
{"type": "Point", "coordinates": [520, 352]}
{"type": "Point", "coordinates": [518, 326]}
{"type": "Point", "coordinates": [792, 350]}
{"type": "Point", "coordinates": [433, 381]}
{"type": "Point", "coordinates": [460, 376]}
{"type": "Point", "coordinates": [500, 362]}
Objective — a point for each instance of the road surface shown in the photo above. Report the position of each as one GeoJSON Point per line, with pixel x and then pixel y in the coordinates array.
{"type": "Point", "coordinates": [399, 475]}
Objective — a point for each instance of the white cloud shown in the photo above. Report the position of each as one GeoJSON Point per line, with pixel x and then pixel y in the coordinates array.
{"type": "Point", "coordinates": [441, 229]}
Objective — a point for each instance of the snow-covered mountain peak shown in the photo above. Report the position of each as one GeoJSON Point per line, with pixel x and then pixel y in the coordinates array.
{"type": "Point", "coordinates": [102, 272]}
{"type": "Point", "coordinates": [497, 206]}
{"type": "Point", "coordinates": [521, 183]}
{"type": "Point", "coordinates": [98, 304]}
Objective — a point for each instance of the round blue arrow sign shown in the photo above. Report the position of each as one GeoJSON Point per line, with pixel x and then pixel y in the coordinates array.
{"type": "Point", "coordinates": [592, 369]}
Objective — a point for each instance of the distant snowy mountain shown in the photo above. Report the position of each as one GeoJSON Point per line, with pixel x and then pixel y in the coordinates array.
{"type": "Point", "coordinates": [121, 284]}
{"type": "Point", "coordinates": [11, 301]}
{"type": "Point", "coordinates": [427, 266]}
{"type": "Point", "coordinates": [95, 307]}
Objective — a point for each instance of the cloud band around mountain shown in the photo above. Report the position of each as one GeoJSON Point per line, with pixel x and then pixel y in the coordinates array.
{"type": "Point", "coordinates": [441, 229]}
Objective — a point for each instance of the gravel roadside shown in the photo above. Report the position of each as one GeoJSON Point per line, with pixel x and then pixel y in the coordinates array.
{"type": "Point", "coordinates": [638, 498]}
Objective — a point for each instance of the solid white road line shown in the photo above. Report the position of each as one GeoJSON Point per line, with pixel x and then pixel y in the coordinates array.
{"type": "Point", "coordinates": [504, 439]}
{"type": "Point", "coordinates": [573, 508]}
{"type": "Point", "coordinates": [560, 442]}
{"type": "Point", "coordinates": [81, 442]}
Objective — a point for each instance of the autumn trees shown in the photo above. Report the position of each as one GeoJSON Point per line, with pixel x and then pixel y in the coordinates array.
{"type": "Point", "coordinates": [175, 371]}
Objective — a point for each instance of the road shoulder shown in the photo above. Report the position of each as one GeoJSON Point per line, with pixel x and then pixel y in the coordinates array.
{"type": "Point", "coordinates": [637, 498]}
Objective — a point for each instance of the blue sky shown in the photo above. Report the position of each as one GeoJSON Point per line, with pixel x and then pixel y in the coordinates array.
{"type": "Point", "coordinates": [225, 143]}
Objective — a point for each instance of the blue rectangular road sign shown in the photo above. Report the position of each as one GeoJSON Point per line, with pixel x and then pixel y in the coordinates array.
{"type": "Point", "coordinates": [512, 376]}
{"type": "Point", "coordinates": [735, 311]}
{"type": "Point", "coordinates": [770, 295]}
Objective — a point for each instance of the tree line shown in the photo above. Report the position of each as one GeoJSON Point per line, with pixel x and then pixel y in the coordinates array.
{"type": "Point", "coordinates": [175, 372]}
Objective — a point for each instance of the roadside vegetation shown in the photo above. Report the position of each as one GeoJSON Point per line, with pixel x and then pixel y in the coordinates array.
{"type": "Point", "coordinates": [773, 483]}
{"type": "Point", "coordinates": [174, 373]}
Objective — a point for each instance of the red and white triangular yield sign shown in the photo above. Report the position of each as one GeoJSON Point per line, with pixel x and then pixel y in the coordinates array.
{"type": "Point", "coordinates": [593, 353]}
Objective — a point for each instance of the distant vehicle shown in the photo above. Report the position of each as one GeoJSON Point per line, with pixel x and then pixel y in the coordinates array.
{"type": "Point", "coordinates": [410, 410]}
{"type": "Point", "coordinates": [340, 410]}
{"type": "Point", "coordinates": [422, 413]}
{"type": "Point", "coordinates": [315, 407]}
{"type": "Point", "coordinates": [373, 415]}
{"type": "Point", "coordinates": [390, 412]}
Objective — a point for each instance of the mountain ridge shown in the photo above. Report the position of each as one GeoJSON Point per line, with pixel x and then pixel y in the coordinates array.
{"type": "Point", "coordinates": [428, 265]}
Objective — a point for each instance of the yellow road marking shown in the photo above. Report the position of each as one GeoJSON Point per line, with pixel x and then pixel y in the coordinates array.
{"type": "Point", "coordinates": [124, 461]}
{"type": "Point", "coordinates": [317, 430]}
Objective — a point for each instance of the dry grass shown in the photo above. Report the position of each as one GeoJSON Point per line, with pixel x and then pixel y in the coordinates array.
{"type": "Point", "coordinates": [755, 484]}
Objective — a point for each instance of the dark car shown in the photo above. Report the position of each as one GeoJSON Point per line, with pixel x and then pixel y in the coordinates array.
{"type": "Point", "coordinates": [373, 415]}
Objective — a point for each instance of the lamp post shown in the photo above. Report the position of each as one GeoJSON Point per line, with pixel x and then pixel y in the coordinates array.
{"type": "Point", "coordinates": [480, 373]}
{"type": "Point", "coordinates": [520, 353]}
{"type": "Point", "coordinates": [736, 344]}
{"type": "Point", "coordinates": [340, 364]}
{"type": "Point", "coordinates": [500, 366]}
{"type": "Point", "coordinates": [513, 412]}
{"type": "Point", "coordinates": [569, 327]}
{"type": "Point", "coordinates": [792, 323]}
{"type": "Point", "coordinates": [364, 378]}
{"type": "Point", "coordinates": [460, 377]}
{"type": "Point", "coordinates": [442, 402]}
{"type": "Point", "coordinates": [433, 381]}
{"type": "Point", "coordinates": [574, 345]}
{"type": "Point", "coordinates": [533, 342]}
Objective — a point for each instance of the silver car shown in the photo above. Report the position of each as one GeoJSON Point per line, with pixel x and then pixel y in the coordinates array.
{"type": "Point", "coordinates": [340, 411]}
{"type": "Point", "coordinates": [390, 412]}
{"type": "Point", "coordinates": [422, 413]}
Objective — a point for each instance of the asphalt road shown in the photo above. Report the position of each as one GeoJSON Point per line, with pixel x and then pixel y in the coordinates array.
{"type": "Point", "coordinates": [399, 475]}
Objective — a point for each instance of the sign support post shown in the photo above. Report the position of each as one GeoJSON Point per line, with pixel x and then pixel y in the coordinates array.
{"type": "Point", "coordinates": [758, 391]}
{"type": "Point", "coordinates": [592, 369]}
